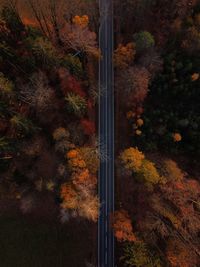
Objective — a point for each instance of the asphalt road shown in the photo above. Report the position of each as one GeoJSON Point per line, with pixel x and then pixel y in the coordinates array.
{"type": "Point", "coordinates": [106, 136]}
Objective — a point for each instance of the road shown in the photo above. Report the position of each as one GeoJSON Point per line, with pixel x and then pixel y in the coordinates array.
{"type": "Point", "coordinates": [106, 136]}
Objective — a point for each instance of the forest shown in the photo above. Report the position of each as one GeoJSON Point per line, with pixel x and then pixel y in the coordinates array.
{"type": "Point", "coordinates": [156, 222]}
{"type": "Point", "coordinates": [49, 143]}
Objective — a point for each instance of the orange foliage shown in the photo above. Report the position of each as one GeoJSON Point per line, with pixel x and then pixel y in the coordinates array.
{"type": "Point", "coordinates": [177, 137]}
{"type": "Point", "coordinates": [179, 255]}
{"type": "Point", "coordinates": [75, 160]}
{"type": "Point", "coordinates": [122, 227]}
{"type": "Point", "coordinates": [84, 179]}
{"type": "Point", "coordinates": [29, 22]}
{"type": "Point", "coordinates": [69, 197]}
{"type": "Point", "coordinates": [124, 55]}
{"type": "Point", "coordinates": [72, 154]}
{"type": "Point", "coordinates": [81, 21]}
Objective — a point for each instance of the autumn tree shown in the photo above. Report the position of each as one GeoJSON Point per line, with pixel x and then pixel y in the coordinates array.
{"type": "Point", "coordinates": [90, 208]}
{"type": "Point", "coordinates": [76, 104]}
{"type": "Point", "coordinates": [49, 15]}
{"type": "Point", "coordinates": [134, 83]}
{"type": "Point", "coordinates": [143, 40]}
{"type": "Point", "coordinates": [88, 127]}
{"type": "Point", "coordinates": [83, 183]}
{"type": "Point", "coordinates": [132, 159]}
{"type": "Point", "coordinates": [78, 37]}
{"type": "Point", "coordinates": [124, 55]}
{"type": "Point", "coordinates": [143, 170]}
{"type": "Point", "coordinates": [69, 84]}
{"type": "Point", "coordinates": [62, 140]}
{"type": "Point", "coordinates": [37, 93]}
{"type": "Point", "coordinates": [122, 226]}
{"type": "Point", "coordinates": [138, 254]}
{"type": "Point", "coordinates": [69, 197]}
{"type": "Point", "coordinates": [6, 86]}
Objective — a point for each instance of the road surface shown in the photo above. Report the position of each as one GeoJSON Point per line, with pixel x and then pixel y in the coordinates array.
{"type": "Point", "coordinates": [106, 136]}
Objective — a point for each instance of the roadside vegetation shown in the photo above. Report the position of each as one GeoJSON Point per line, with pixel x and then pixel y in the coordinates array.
{"type": "Point", "coordinates": [48, 144]}
{"type": "Point", "coordinates": [157, 122]}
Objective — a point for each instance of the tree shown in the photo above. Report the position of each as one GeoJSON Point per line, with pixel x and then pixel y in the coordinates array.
{"type": "Point", "coordinates": [69, 197]}
{"type": "Point", "coordinates": [88, 127]}
{"type": "Point", "coordinates": [143, 170]}
{"type": "Point", "coordinates": [178, 254]}
{"type": "Point", "coordinates": [38, 93]}
{"type": "Point", "coordinates": [4, 144]}
{"type": "Point", "coordinates": [62, 140]}
{"type": "Point", "coordinates": [84, 181]}
{"type": "Point", "coordinates": [124, 55]}
{"type": "Point", "coordinates": [148, 173]}
{"type": "Point", "coordinates": [6, 86]}
{"type": "Point", "coordinates": [49, 15]}
{"type": "Point", "coordinates": [76, 104]}
{"type": "Point", "coordinates": [122, 227]}
{"type": "Point", "coordinates": [22, 124]}
{"type": "Point", "coordinates": [133, 82]}
{"type": "Point", "coordinates": [172, 171]}
{"type": "Point", "coordinates": [80, 38]}
{"type": "Point", "coordinates": [89, 208]}
{"type": "Point", "coordinates": [90, 154]}
{"type": "Point", "coordinates": [132, 159]}
{"type": "Point", "coordinates": [143, 40]}
{"type": "Point", "coordinates": [69, 84]}
{"type": "Point", "coordinates": [44, 52]}
{"type": "Point", "coordinates": [13, 22]}
{"type": "Point", "coordinates": [137, 254]}
{"type": "Point", "coordinates": [75, 160]}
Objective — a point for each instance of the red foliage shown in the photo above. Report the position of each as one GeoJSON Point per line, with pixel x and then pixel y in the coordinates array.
{"type": "Point", "coordinates": [88, 127]}
{"type": "Point", "coordinates": [69, 83]}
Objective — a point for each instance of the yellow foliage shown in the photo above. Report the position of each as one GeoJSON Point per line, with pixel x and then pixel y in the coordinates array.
{"type": "Point", "coordinates": [81, 21]}
{"type": "Point", "coordinates": [172, 171]}
{"type": "Point", "coordinates": [91, 158]}
{"type": "Point", "coordinates": [177, 137]}
{"type": "Point", "coordinates": [132, 159]}
{"type": "Point", "coordinates": [149, 173]}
